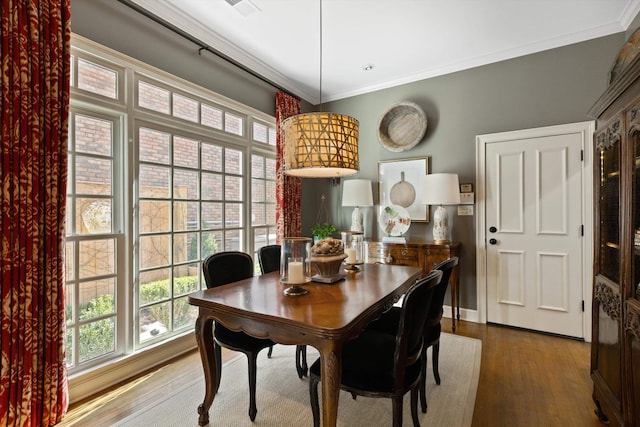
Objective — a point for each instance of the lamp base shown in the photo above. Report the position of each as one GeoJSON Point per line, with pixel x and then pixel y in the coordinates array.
{"type": "Point", "coordinates": [441, 225]}
{"type": "Point", "coordinates": [356, 220]}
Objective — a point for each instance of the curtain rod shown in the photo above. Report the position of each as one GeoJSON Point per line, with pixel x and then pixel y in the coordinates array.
{"type": "Point", "coordinates": [202, 46]}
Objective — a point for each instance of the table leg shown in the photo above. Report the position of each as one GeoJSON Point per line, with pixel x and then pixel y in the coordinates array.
{"type": "Point", "coordinates": [458, 301]}
{"type": "Point", "coordinates": [455, 298]}
{"type": "Point", "coordinates": [204, 337]}
{"type": "Point", "coordinates": [453, 308]}
{"type": "Point", "coordinates": [331, 359]}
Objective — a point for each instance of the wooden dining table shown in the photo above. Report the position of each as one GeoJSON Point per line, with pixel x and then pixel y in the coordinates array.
{"type": "Point", "coordinates": [326, 317]}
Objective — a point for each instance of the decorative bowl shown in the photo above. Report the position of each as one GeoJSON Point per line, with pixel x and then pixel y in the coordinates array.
{"type": "Point", "coordinates": [327, 265]}
{"type": "Point", "coordinates": [402, 126]}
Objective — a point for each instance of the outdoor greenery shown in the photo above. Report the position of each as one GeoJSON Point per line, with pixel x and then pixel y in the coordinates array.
{"type": "Point", "coordinates": [98, 338]}
{"type": "Point", "coordinates": [159, 291]}
{"type": "Point", "coordinates": [209, 246]}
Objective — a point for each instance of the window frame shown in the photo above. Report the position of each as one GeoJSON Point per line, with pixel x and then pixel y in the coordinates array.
{"type": "Point", "coordinates": [129, 71]}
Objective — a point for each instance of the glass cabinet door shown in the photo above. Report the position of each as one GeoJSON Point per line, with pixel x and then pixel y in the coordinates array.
{"type": "Point", "coordinates": [634, 139]}
{"type": "Point", "coordinates": [609, 206]}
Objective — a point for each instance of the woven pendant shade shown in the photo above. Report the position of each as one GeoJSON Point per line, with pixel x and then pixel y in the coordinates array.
{"type": "Point", "coordinates": [320, 145]}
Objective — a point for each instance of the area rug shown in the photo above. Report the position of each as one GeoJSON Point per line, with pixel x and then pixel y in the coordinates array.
{"type": "Point", "coordinates": [283, 399]}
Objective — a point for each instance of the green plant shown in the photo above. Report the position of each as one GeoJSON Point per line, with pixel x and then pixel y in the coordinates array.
{"type": "Point", "coordinates": [209, 246]}
{"type": "Point", "coordinates": [159, 290]}
{"type": "Point", "coordinates": [96, 338]}
{"type": "Point", "coordinates": [97, 307]}
{"type": "Point", "coordinates": [322, 231]}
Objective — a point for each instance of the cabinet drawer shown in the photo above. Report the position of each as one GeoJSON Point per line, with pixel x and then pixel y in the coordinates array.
{"type": "Point", "coordinates": [397, 255]}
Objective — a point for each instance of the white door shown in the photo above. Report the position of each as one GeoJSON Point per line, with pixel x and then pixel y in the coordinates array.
{"type": "Point", "coordinates": [534, 232]}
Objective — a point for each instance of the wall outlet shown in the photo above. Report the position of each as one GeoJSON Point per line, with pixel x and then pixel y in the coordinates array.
{"type": "Point", "coordinates": [467, 198]}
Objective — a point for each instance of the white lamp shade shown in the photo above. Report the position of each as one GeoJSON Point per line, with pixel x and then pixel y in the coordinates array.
{"type": "Point", "coordinates": [357, 192]}
{"type": "Point", "coordinates": [440, 189]}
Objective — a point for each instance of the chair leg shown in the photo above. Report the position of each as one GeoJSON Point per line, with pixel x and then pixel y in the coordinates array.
{"type": "Point", "coordinates": [422, 387]}
{"type": "Point", "coordinates": [397, 411]}
{"type": "Point", "coordinates": [270, 351]}
{"type": "Point", "coordinates": [217, 354]}
{"type": "Point", "coordinates": [253, 410]}
{"type": "Point", "coordinates": [414, 407]}
{"type": "Point", "coordinates": [435, 355]}
{"type": "Point", "coordinates": [301, 361]}
{"type": "Point", "coordinates": [313, 396]}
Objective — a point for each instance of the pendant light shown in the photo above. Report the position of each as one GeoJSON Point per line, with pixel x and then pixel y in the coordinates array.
{"type": "Point", "coordinates": [319, 144]}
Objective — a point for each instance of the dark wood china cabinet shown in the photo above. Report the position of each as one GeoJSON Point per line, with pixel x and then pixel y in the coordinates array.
{"type": "Point", "coordinates": [615, 348]}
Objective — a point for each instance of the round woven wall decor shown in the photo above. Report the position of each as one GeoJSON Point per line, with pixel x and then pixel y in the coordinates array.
{"type": "Point", "coordinates": [402, 126]}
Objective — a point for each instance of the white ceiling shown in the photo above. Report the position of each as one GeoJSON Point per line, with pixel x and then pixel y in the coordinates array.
{"type": "Point", "coordinates": [404, 40]}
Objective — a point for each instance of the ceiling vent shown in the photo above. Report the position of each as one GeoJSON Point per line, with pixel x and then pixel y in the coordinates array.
{"type": "Point", "coordinates": [244, 7]}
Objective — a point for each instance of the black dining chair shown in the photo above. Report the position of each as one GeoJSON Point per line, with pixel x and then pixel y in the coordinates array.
{"type": "Point", "coordinates": [269, 258]}
{"type": "Point", "coordinates": [432, 327]}
{"type": "Point", "coordinates": [379, 364]}
{"type": "Point", "coordinates": [220, 269]}
{"type": "Point", "coordinates": [269, 261]}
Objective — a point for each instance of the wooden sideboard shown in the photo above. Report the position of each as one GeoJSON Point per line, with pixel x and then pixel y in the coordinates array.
{"type": "Point", "coordinates": [423, 254]}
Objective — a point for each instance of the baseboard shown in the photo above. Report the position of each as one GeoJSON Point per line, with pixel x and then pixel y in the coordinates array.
{"type": "Point", "coordinates": [466, 314]}
{"type": "Point", "coordinates": [89, 383]}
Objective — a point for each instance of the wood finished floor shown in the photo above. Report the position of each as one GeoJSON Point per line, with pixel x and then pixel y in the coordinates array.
{"type": "Point", "coordinates": [526, 379]}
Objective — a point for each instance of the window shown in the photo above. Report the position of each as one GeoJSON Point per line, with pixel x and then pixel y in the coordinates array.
{"type": "Point", "coordinates": [93, 238]}
{"type": "Point", "coordinates": [190, 206]}
{"type": "Point", "coordinates": [263, 203]}
{"type": "Point", "coordinates": [162, 173]}
{"type": "Point", "coordinates": [97, 79]}
{"type": "Point", "coordinates": [263, 133]}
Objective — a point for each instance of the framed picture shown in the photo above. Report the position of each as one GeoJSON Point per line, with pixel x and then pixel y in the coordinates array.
{"type": "Point", "coordinates": [399, 184]}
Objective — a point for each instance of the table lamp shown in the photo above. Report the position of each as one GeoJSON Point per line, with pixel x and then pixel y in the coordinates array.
{"type": "Point", "coordinates": [357, 192]}
{"type": "Point", "coordinates": [441, 189]}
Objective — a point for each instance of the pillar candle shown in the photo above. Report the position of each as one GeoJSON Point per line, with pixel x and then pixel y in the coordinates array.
{"type": "Point", "coordinates": [296, 274]}
{"type": "Point", "coordinates": [351, 255]}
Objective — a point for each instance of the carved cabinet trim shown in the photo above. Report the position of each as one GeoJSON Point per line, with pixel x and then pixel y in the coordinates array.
{"type": "Point", "coordinates": [632, 320]}
{"type": "Point", "coordinates": [609, 299]}
{"type": "Point", "coordinates": [609, 136]}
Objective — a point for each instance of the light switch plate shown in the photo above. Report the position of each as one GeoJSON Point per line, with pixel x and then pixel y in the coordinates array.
{"type": "Point", "coordinates": [465, 210]}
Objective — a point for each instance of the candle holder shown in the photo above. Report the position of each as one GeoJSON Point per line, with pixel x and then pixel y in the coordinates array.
{"type": "Point", "coordinates": [352, 268]}
{"type": "Point", "coordinates": [295, 265]}
{"type": "Point", "coordinates": [354, 249]}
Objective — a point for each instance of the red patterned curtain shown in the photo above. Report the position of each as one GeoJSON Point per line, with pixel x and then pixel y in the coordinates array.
{"type": "Point", "coordinates": [35, 42]}
{"type": "Point", "coordinates": [288, 188]}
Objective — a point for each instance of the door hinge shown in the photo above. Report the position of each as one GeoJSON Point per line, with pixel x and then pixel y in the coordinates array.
{"type": "Point", "coordinates": [582, 230]}
{"type": "Point", "coordinates": [583, 305]}
{"type": "Point", "coordinates": [582, 155]}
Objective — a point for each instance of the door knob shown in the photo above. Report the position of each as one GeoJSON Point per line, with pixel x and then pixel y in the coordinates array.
{"type": "Point", "coordinates": [493, 241]}
{"type": "Point", "coordinates": [492, 229]}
